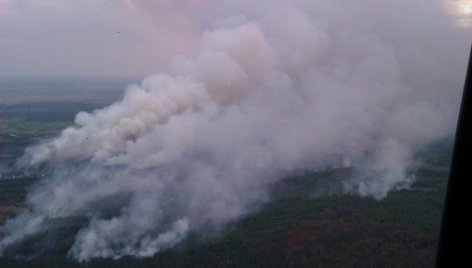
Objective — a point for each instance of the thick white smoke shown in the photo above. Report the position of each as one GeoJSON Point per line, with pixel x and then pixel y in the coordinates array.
{"type": "Point", "coordinates": [275, 86]}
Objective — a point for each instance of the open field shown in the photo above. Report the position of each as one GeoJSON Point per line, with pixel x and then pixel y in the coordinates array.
{"type": "Point", "coordinates": [24, 124]}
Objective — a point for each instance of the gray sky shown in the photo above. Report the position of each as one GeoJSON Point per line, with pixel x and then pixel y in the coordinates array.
{"type": "Point", "coordinates": [88, 37]}
{"type": "Point", "coordinates": [109, 37]}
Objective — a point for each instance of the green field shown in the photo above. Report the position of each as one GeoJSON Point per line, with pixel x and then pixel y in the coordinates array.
{"type": "Point", "coordinates": [298, 228]}
{"type": "Point", "coordinates": [25, 124]}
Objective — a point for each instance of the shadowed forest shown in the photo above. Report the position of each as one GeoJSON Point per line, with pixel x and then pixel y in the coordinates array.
{"type": "Point", "coordinates": [308, 223]}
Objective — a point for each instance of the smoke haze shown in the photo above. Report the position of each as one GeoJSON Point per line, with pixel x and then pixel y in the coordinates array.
{"type": "Point", "coordinates": [269, 87]}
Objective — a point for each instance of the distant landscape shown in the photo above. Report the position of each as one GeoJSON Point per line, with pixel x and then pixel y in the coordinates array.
{"type": "Point", "coordinates": [35, 90]}
{"type": "Point", "coordinates": [34, 108]}
{"type": "Point", "coordinates": [309, 221]}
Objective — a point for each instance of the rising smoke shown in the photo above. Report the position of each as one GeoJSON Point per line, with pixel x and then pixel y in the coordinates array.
{"type": "Point", "coordinates": [275, 86]}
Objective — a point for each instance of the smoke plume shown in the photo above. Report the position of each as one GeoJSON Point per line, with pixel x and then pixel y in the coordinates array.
{"type": "Point", "coordinates": [273, 86]}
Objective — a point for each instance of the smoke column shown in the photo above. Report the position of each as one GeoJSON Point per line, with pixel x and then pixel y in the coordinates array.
{"type": "Point", "coordinates": [273, 86]}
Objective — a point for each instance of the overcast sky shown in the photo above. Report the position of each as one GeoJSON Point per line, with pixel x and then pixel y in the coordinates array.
{"type": "Point", "coordinates": [107, 37]}
{"type": "Point", "coordinates": [89, 37]}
